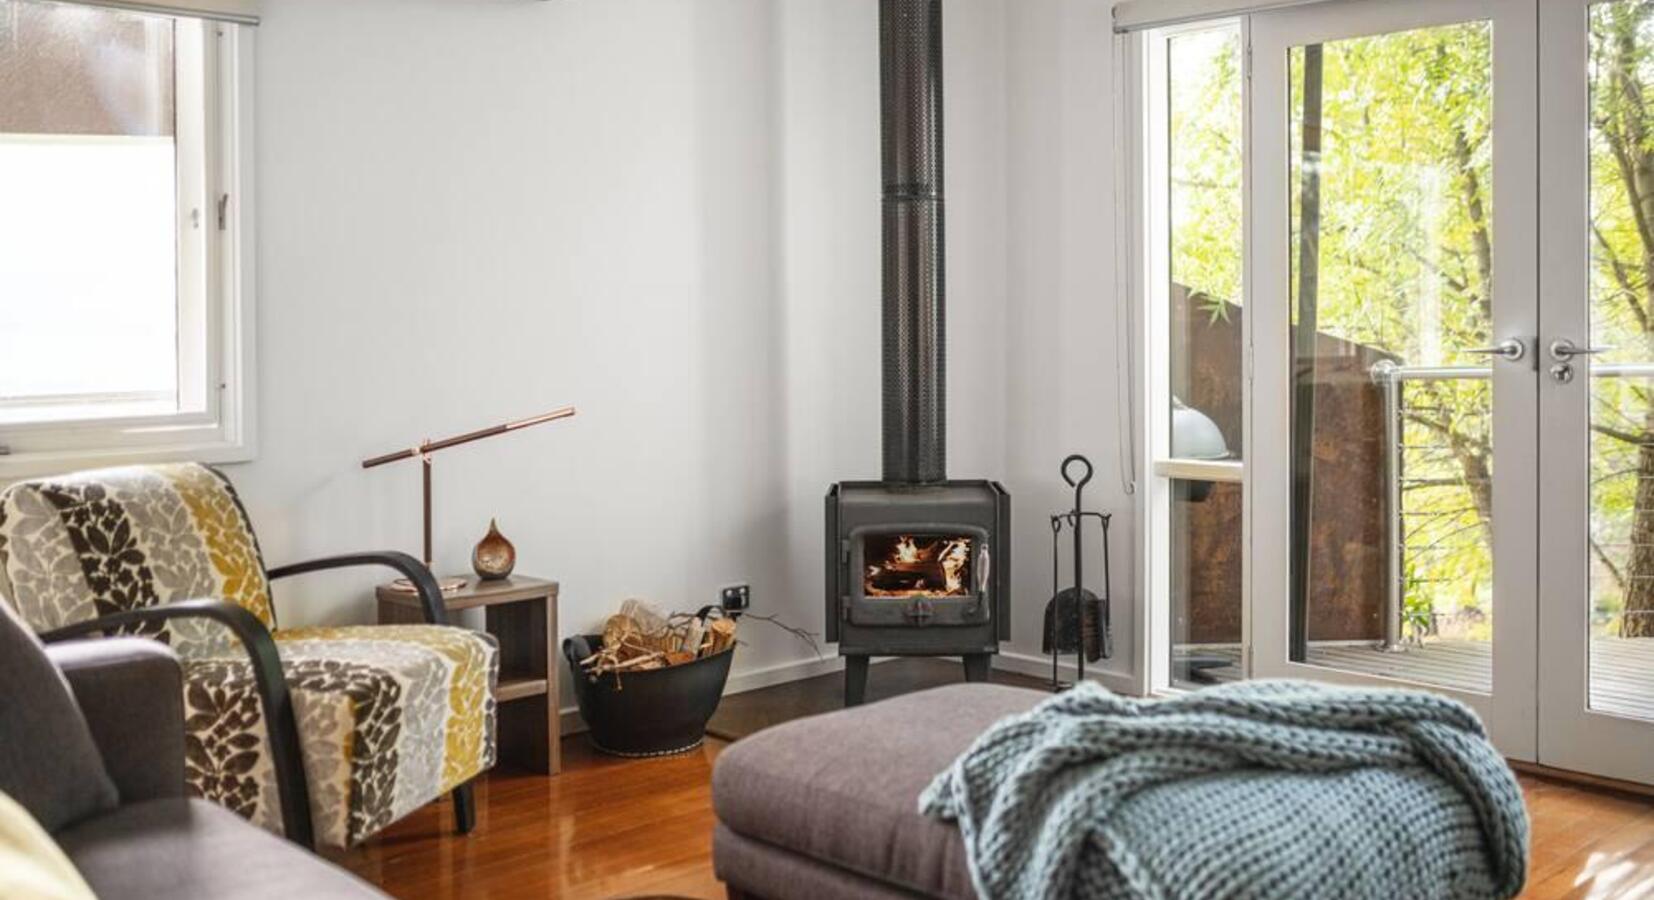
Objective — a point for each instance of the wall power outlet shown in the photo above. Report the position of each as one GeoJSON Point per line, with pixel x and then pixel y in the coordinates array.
{"type": "Point", "coordinates": [736, 598]}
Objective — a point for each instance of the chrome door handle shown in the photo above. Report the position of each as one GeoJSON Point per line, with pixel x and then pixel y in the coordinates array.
{"type": "Point", "coordinates": [1563, 350]}
{"type": "Point", "coordinates": [1509, 349]}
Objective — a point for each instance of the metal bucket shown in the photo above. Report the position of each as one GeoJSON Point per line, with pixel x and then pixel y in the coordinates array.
{"type": "Point", "coordinates": [651, 713]}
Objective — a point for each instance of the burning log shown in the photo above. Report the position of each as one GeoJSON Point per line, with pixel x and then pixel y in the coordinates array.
{"type": "Point", "coordinates": [934, 568]}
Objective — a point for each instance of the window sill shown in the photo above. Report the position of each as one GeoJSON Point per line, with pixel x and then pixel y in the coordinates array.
{"type": "Point", "coordinates": [17, 466]}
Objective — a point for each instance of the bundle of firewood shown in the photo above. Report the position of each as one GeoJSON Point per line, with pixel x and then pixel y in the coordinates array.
{"type": "Point", "coordinates": [639, 638]}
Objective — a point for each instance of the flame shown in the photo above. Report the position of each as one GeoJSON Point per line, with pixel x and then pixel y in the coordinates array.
{"type": "Point", "coordinates": [954, 558]}
{"type": "Point", "coordinates": [930, 566]}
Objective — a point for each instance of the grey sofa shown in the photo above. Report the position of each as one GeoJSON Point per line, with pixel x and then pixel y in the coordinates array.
{"type": "Point", "coordinates": [158, 842]}
{"type": "Point", "coordinates": [828, 807]}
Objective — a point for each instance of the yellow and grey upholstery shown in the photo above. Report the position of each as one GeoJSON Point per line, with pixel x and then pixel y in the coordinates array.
{"type": "Point", "coordinates": [389, 717]}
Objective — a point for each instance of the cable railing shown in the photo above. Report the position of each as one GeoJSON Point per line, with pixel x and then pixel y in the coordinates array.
{"type": "Point", "coordinates": [1391, 377]}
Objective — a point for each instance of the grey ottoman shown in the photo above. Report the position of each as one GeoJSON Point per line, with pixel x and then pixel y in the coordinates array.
{"type": "Point", "coordinates": [827, 807]}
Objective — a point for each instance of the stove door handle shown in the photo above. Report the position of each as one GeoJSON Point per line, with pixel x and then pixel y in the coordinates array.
{"type": "Point", "coordinates": [982, 570]}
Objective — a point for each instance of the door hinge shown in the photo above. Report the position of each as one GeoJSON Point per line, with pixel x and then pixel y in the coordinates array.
{"type": "Point", "coordinates": [223, 211]}
{"type": "Point", "coordinates": [1246, 62]}
{"type": "Point", "coordinates": [5, 450]}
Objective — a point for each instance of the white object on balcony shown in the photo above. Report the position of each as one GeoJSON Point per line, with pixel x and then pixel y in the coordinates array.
{"type": "Point", "coordinates": [1195, 435]}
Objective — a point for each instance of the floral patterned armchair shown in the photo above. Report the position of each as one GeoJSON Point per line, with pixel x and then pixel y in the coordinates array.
{"type": "Point", "coordinates": [329, 734]}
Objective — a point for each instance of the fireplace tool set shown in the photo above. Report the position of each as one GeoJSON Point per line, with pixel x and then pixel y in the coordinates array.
{"type": "Point", "coordinates": [1076, 619]}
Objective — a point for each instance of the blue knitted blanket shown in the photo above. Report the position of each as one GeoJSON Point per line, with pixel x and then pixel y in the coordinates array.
{"type": "Point", "coordinates": [1265, 789]}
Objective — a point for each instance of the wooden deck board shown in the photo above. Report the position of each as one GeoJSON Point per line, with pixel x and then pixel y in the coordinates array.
{"type": "Point", "coordinates": [1622, 669]}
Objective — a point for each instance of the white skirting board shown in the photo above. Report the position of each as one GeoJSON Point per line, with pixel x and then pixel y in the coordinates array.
{"type": "Point", "coordinates": [1040, 667]}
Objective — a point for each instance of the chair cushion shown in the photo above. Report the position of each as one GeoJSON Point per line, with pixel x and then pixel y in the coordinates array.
{"type": "Point", "coordinates": [172, 848]}
{"type": "Point", "coordinates": [49, 762]}
{"type": "Point", "coordinates": [843, 788]}
{"type": "Point", "coordinates": [79, 546]}
{"type": "Point", "coordinates": [390, 718]}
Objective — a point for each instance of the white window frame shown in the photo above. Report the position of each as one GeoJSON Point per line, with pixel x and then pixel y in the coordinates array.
{"type": "Point", "coordinates": [1146, 229]}
{"type": "Point", "coordinates": [216, 374]}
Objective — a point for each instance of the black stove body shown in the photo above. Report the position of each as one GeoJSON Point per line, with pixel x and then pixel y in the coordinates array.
{"type": "Point", "coordinates": [917, 564]}
{"type": "Point", "coordinates": [917, 571]}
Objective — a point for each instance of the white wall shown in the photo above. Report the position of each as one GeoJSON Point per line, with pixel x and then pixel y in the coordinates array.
{"type": "Point", "coordinates": [1062, 385]}
{"type": "Point", "coordinates": [663, 212]}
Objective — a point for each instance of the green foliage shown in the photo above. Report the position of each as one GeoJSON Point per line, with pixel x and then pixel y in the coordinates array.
{"type": "Point", "coordinates": [1204, 105]}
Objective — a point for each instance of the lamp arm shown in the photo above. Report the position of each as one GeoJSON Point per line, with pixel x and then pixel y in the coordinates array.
{"type": "Point", "coordinates": [429, 447]}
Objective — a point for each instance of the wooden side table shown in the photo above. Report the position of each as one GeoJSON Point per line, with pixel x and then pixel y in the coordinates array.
{"type": "Point", "coordinates": [521, 613]}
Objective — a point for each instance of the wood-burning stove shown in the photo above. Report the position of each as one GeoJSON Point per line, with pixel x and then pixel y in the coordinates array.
{"type": "Point", "coordinates": [916, 564]}
{"type": "Point", "coordinates": [917, 571]}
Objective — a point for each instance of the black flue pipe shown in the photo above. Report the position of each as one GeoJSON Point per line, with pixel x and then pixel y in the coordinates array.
{"type": "Point", "coordinates": [915, 326]}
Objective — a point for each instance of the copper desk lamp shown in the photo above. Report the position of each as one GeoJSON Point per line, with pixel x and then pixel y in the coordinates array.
{"type": "Point", "coordinates": [423, 453]}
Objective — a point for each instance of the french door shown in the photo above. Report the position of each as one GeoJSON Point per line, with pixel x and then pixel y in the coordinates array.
{"type": "Point", "coordinates": [1394, 217]}
{"type": "Point", "coordinates": [1596, 388]}
{"type": "Point", "coordinates": [1450, 448]}
{"type": "Point", "coordinates": [1400, 380]}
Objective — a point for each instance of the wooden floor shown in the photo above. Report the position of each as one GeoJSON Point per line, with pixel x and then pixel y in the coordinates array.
{"type": "Point", "coordinates": [605, 827]}
{"type": "Point", "coordinates": [642, 828]}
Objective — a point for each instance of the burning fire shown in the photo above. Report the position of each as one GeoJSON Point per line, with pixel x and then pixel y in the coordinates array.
{"type": "Point", "coordinates": [924, 566]}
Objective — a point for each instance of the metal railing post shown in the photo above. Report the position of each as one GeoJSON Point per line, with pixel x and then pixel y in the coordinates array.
{"type": "Point", "coordinates": [1395, 542]}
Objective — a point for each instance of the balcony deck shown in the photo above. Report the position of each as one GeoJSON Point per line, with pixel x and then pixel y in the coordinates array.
{"type": "Point", "coordinates": [1622, 669]}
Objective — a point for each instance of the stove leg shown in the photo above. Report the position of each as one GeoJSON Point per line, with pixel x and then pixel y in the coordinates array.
{"type": "Point", "coordinates": [855, 679]}
{"type": "Point", "coordinates": [976, 666]}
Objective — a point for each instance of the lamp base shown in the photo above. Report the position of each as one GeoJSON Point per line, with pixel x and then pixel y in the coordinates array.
{"type": "Point", "coordinates": [449, 584]}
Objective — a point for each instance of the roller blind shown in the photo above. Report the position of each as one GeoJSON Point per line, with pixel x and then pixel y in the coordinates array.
{"type": "Point", "coordinates": [244, 12]}
{"type": "Point", "coordinates": [1136, 15]}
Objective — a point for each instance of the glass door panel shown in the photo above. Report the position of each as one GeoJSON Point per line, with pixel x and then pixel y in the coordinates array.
{"type": "Point", "coordinates": [1390, 161]}
{"type": "Point", "coordinates": [1195, 168]}
{"type": "Point", "coordinates": [1596, 707]}
{"type": "Point", "coordinates": [1620, 397]}
{"type": "Point", "coordinates": [1393, 339]}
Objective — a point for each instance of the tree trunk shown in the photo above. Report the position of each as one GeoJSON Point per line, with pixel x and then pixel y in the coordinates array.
{"type": "Point", "coordinates": [1471, 452]}
{"type": "Point", "coordinates": [1638, 620]}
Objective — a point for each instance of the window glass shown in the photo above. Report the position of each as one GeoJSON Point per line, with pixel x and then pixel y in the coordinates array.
{"type": "Point", "coordinates": [89, 229]}
{"type": "Point", "coordinates": [1205, 309]}
{"type": "Point", "coordinates": [1204, 193]}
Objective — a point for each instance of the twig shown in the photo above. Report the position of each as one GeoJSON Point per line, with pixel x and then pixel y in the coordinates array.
{"type": "Point", "coordinates": [808, 637]}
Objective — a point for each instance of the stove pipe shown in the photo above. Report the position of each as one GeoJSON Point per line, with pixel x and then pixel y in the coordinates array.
{"type": "Point", "coordinates": [915, 334]}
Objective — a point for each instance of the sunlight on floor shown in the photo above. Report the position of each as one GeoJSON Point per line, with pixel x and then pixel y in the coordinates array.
{"type": "Point", "coordinates": [1612, 875]}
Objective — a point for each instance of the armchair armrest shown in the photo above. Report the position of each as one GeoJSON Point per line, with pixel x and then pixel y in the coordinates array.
{"type": "Point", "coordinates": [430, 594]}
{"type": "Point", "coordinates": [279, 720]}
{"type": "Point", "coordinates": [131, 692]}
